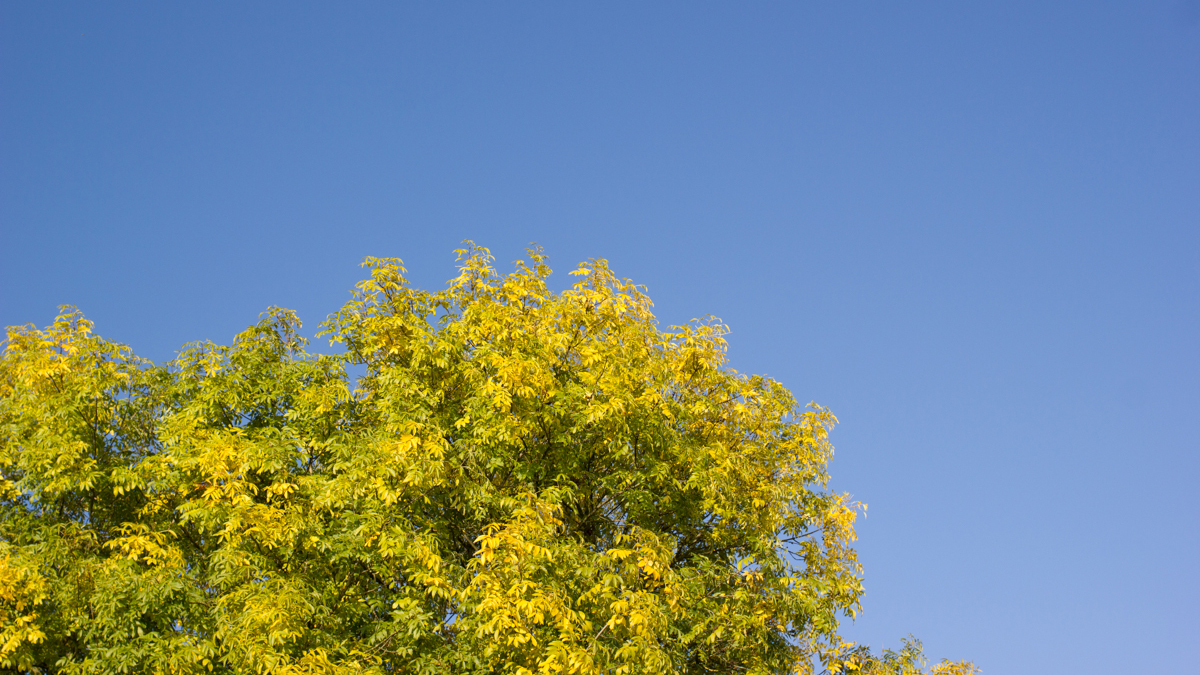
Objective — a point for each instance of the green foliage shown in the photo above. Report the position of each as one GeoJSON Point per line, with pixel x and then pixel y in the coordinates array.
{"type": "Point", "coordinates": [521, 481]}
{"type": "Point", "coordinates": [858, 660]}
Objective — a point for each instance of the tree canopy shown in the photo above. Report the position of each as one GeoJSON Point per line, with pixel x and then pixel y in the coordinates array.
{"type": "Point", "coordinates": [514, 480]}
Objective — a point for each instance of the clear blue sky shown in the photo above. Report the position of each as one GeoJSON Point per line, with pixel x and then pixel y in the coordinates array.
{"type": "Point", "coordinates": [972, 230]}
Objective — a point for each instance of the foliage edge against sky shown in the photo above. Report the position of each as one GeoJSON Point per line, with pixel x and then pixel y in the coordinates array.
{"type": "Point", "coordinates": [522, 481]}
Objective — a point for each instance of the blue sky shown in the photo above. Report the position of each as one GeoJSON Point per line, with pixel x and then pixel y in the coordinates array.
{"type": "Point", "coordinates": [971, 230]}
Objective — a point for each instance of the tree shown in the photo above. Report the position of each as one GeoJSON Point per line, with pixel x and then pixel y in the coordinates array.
{"type": "Point", "coordinates": [520, 481]}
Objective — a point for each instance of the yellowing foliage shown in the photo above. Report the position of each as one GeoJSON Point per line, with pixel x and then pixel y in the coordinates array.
{"type": "Point", "coordinates": [522, 481]}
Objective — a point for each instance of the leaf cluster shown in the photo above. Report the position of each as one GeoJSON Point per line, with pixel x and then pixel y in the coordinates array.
{"type": "Point", "coordinates": [519, 481]}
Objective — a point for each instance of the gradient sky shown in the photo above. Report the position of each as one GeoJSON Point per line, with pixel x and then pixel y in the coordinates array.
{"type": "Point", "coordinates": [972, 230]}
